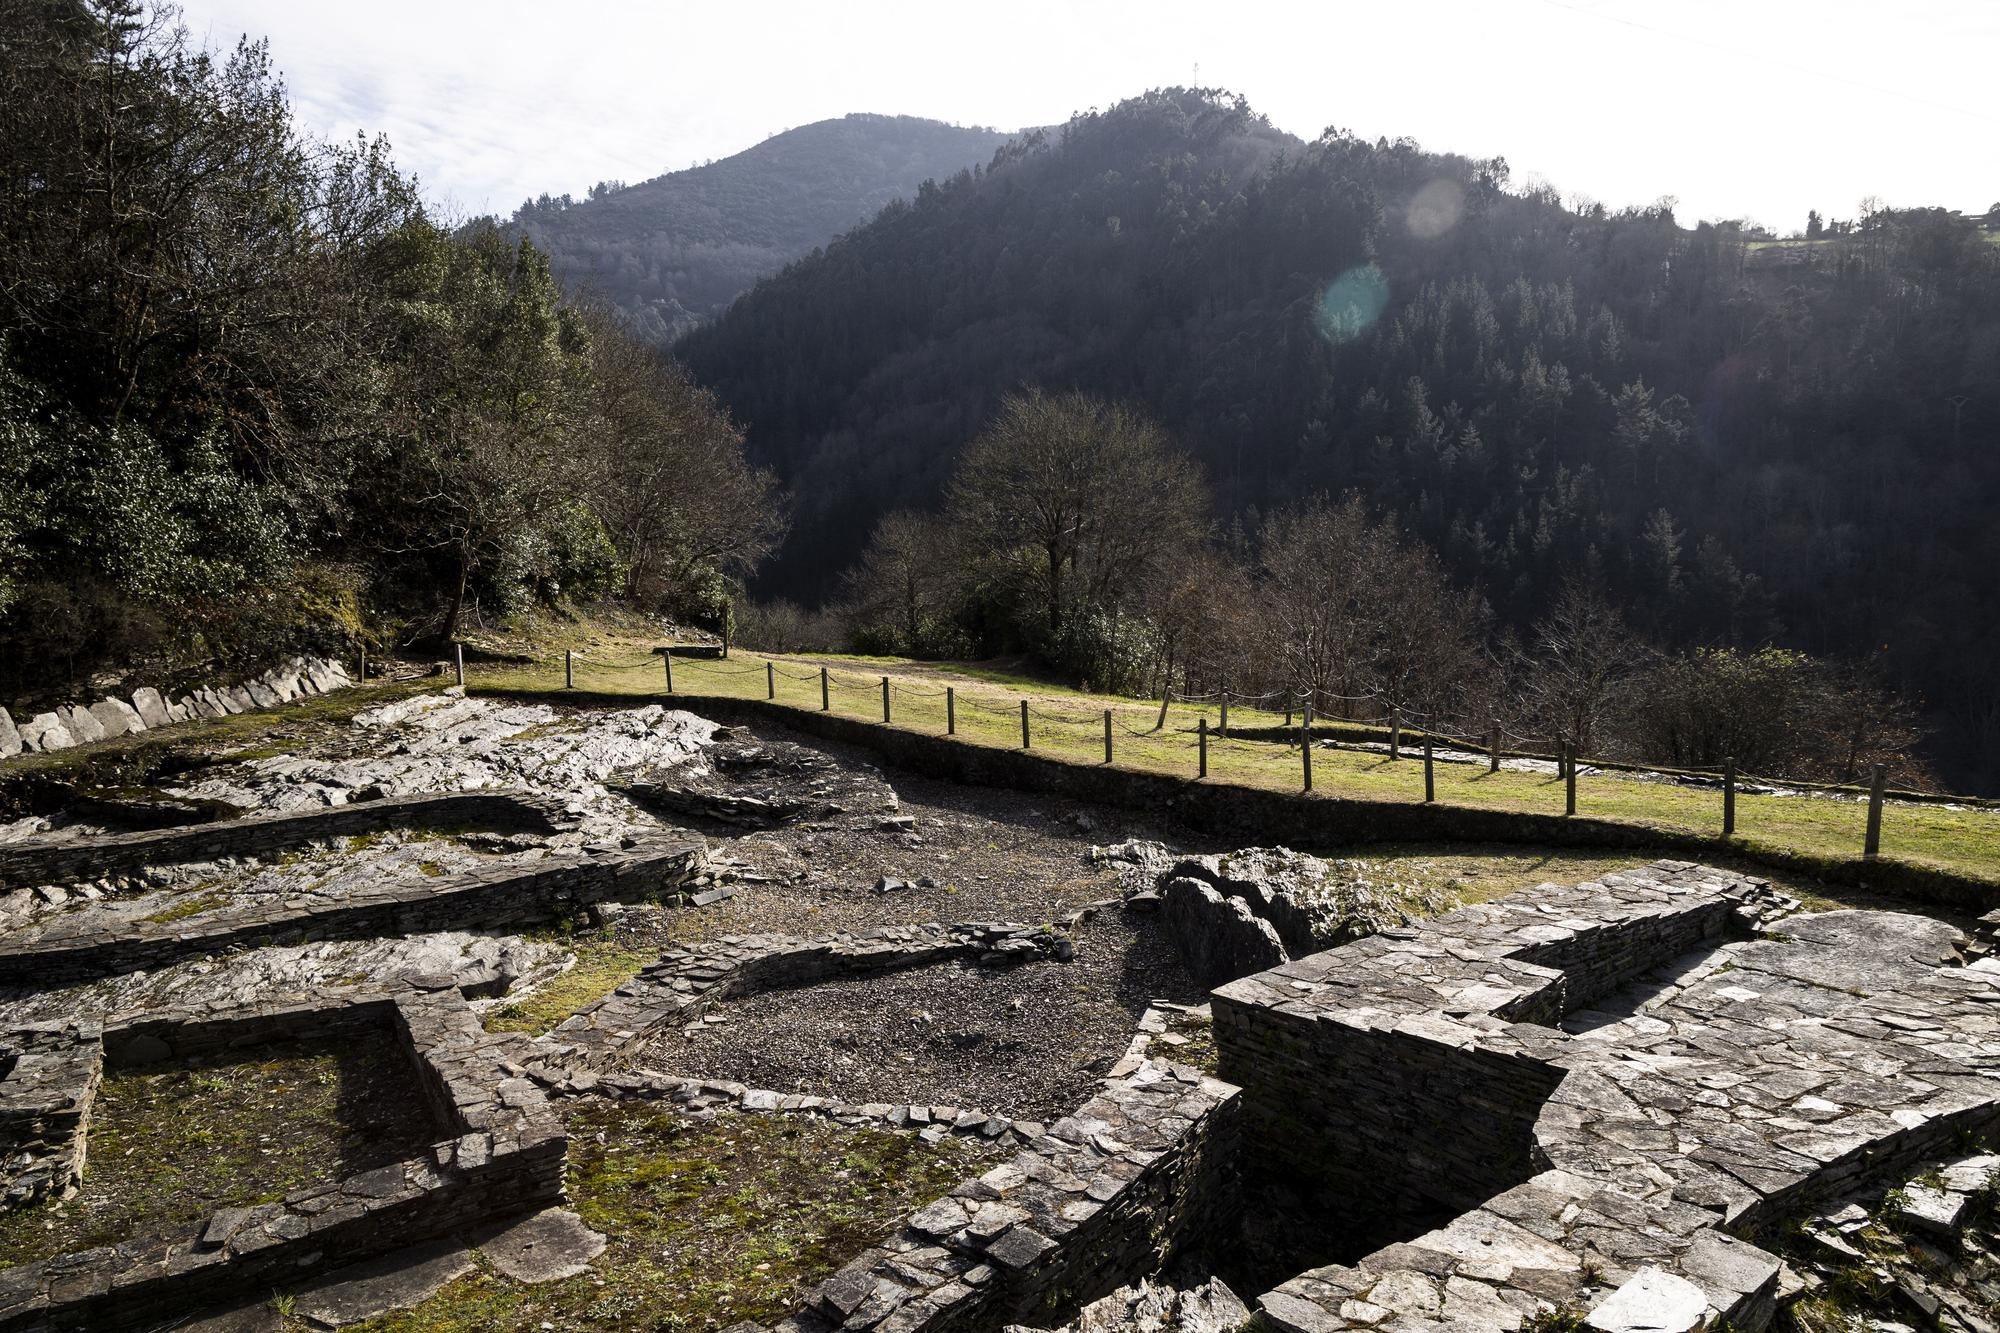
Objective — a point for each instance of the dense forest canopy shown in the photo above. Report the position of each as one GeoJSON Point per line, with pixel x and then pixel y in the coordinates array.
{"type": "Point", "coordinates": [1744, 443]}
{"type": "Point", "coordinates": [677, 249]}
{"type": "Point", "coordinates": [253, 397]}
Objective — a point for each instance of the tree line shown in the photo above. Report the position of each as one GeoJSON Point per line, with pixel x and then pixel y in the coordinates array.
{"type": "Point", "coordinates": [1075, 529]}
{"type": "Point", "coordinates": [1748, 444]}
{"type": "Point", "coordinates": [254, 396]}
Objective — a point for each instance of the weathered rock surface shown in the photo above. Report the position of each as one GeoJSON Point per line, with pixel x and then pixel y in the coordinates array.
{"type": "Point", "coordinates": [394, 1282]}
{"type": "Point", "coordinates": [762, 784]}
{"type": "Point", "coordinates": [151, 707]}
{"type": "Point", "coordinates": [10, 736]}
{"type": "Point", "coordinates": [45, 731]}
{"type": "Point", "coordinates": [1220, 938]}
{"type": "Point", "coordinates": [1151, 1307]}
{"type": "Point", "coordinates": [82, 726]}
{"type": "Point", "coordinates": [542, 1247]}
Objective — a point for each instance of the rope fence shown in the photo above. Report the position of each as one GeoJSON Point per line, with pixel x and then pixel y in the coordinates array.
{"type": "Point", "coordinates": [1207, 744]}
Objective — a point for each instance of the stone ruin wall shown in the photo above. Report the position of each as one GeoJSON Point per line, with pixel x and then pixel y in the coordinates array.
{"type": "Point", "coordinates": [500, 1150]}
{"type": "Point", "coordinates": [149, 709]}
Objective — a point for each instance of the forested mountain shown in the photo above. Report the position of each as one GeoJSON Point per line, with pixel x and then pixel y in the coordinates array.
{"type": "Point", "coordinates": [1798, 445]}
{"type": "Point", "coordinates": [679, 248]}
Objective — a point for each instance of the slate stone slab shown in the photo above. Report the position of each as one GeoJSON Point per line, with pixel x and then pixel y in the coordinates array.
{"type": "Point", "coordinates": [543, 1247]}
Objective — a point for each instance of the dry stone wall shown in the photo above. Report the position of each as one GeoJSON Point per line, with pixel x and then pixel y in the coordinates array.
{"type": "Point", "coordinates": [499, 1150]}
{"type": "Point", "coordinates": [48, 1078]}
{"type": "Point", "coordinates": [66, 861]}
{"type": "Point", "coordinates": [1138, 1175]}
{"type": "Point", "coordinates": [78, 946]}
{"type": "Point", "coordinates": [148, 710]}
{"type": "Point", "coordinates": [1613, 1142]}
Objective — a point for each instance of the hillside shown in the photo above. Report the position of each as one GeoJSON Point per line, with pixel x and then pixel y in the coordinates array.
{"type": "Point", "coordinates": [679, 248]}
{"type": "Point", "coordinates": [1745, 454]}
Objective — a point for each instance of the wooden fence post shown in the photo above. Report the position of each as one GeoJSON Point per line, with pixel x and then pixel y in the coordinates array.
{"type": "Point", "coordinates": [1306, 743]}
{"type": "Point", "coordinates": [667, 657]}
{"type": "Point", "coordinates": [1025, 742]}
{"type": "Point", "coordinates": [1396, 733]}
{"type": "Point", "coordinates": [1569, 779]}
{"type": "Point", "coordinates": [1876, 782]}
{"type": "Point", "coordinates": [950, 711]}
{"type": "Point", "coordinates": [825, 693]}
{"type": "Point", "coordinates": [1493, 749]}
{"type": "Point", "coordinates": [1225, 708]}
{"type": "Point", "coordinates": [770, 681]}
{"type": "Point", "coordinates": [1430, 784]}
{"type": "Point", "coordinates": [1729, 797]}
{"type": "Point", "coordinates": [885, 701]}
{"type": "Point", "coordinates": [1201, 739]}
{"type": "Point", "coordinates": [458, 656]}
{"type": "Point", "coordinates": [569, 669]}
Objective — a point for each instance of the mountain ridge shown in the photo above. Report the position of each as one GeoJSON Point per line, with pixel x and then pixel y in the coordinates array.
{"type": "Point", "coordinates": [674, 250]}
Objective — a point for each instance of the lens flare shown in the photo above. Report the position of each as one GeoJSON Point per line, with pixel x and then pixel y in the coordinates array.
{"type": "Point", "coordinates": [1351, 303]}
{"type": "Point", "coordinates": [1435, 209]}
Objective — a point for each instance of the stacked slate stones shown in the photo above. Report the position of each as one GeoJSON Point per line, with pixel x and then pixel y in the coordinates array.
{"type": "Point", "coordinates": [148, 709]}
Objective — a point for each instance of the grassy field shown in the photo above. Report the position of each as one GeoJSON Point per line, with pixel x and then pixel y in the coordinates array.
{"type": "Point", "coordinates": [1069, 725]}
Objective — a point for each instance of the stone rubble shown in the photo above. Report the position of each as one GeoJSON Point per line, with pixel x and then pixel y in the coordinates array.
{"type": "Point", "coordinates": [1156, 1308]}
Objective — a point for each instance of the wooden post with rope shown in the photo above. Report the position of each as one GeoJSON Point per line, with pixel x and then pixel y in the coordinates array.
{"type": "Point", "coordinates": [1306, 743]}
{"type": "Point", "coordinates": [1876, 785]}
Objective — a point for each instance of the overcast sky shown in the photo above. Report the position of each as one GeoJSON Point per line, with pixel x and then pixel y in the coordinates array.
{"type": "Point", "coordinates": [1739, 108]}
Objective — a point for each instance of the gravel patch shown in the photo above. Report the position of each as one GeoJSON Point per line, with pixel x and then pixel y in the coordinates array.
{"type": "Point", "coordinates": [1029, 1042]}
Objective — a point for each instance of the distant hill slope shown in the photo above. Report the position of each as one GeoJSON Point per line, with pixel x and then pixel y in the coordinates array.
{"type": "Point", "coordinates": [1808, 454]}
{"type": "Point", "coordinates": [679, 248]}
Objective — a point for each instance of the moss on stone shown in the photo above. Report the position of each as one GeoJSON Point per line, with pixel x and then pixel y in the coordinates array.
{"type": "Point", "coordinates": [170, 1146]}
{"type": "Point", "coordinates": [710, 1222]}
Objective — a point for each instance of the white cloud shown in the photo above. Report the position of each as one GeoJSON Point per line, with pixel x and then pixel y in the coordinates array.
{"type": "Point", "coordinates": [1762, 108]}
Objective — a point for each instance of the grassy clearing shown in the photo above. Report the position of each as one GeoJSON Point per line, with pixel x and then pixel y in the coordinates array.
{"type": "Point", "coordinates": [169, 1147]}
{"type": "Point", "coordinates": [1069, 726]}
{"type": "Point", "coordinates": [710, 1222]}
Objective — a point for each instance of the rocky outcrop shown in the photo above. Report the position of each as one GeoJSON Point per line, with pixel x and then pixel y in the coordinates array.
{"type": "Point", "coordinates": [1152, 1307]}
{"type": "Point", "coordinates": [148, 709]}
{"type": "Point", "coordinates": [1220, 938]}
{"type": "Point", "coordinates": [762, 784]}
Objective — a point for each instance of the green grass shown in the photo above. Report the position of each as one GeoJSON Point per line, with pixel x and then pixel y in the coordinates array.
{"type": "Point", "coordinates": [709, 1222]}
{"type": "Point", "coordinates": [1068, 725]}
{"type": "Point", "coordinates": [602, 966]}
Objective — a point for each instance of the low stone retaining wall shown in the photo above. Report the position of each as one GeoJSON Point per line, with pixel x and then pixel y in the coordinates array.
{"type": "Point", "coordinates": [82, 945]}
{"type": "Point", "coordinates": [1309, 821]}
{"type": "Point", "coordinates": [674, 989]}
{"type": "Point", "coordinates": [48, 1078]}
{"type": "Point", "coordinates": [148, 709]}
{"type": "Point", "coordinates": [700, 1097]}
{"type": "Point", "coordinates": [26, 864]}
{"type": "Point", "coordinates": [1140, 1174]}
{"type": "Point", "coordinates": [500, 1150]}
